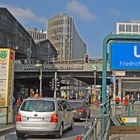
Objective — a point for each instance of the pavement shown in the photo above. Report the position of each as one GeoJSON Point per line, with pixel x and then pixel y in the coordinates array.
{"type": "Point", "coordinates": [5, 128]}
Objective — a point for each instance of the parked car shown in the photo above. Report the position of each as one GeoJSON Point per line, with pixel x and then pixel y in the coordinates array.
{"type": "Point", "coordinates": [81, 108]}
{"type": "Point", "coordinates": [44, 116]}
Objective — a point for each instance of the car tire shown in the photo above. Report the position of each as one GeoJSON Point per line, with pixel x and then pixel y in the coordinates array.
{"type": "Point", "coordinates": [20, 135]}
{"type": "Point", "coordinates": [60, 132]}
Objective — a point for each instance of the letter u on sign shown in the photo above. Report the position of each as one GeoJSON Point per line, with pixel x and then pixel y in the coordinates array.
{"type": "Point", "coordinates": [136, 53]}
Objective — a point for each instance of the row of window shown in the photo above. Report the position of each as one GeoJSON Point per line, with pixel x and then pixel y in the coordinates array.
{"type": "Point", "coordinates": [37, 35]}
{"type": "Point", "coordinates": [58, 22]}
{"type": "Point", "coordinates": [129, 28]}
{"type": "Point", "coordinates": [60, 29]}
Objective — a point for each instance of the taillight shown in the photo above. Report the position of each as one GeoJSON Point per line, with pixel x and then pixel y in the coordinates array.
{"type": "Point", "coordinates": [80, 110]}
{"type": "Point", "coordinates": [54, 118]}
{"type": "Point", "coordinates": [18, 117]}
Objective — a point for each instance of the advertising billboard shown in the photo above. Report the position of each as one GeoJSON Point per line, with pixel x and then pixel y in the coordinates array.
{"type": "Point", "coordinates": [7, 57]}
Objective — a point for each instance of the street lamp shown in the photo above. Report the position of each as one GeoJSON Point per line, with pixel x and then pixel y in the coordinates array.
{"type": "Point", "coordinates": [40, 77]}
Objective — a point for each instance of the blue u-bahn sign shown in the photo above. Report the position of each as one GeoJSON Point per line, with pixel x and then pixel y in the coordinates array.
{"type": "Point", "coordinates": [125, 56]}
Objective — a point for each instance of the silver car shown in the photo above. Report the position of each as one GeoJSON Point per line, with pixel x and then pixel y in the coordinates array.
{"type": "Point", "coordinates": [80, 108]}
{"type": "Point", "coordinates": [44, 116]}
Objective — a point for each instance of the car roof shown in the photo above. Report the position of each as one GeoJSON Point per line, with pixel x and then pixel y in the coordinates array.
{"type": "Point", "coordinates": [77, 100]}
{"type": "Point", "coordinates": [44, 98]}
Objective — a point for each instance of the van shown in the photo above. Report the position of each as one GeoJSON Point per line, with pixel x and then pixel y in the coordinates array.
{"type": "Point", "coordinates": [44, 116]}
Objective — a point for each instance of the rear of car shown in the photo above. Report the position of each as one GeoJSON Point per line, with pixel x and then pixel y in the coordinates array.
{"type": "Point", "coordinates": [80, 109]}
{"type": "Point", "coordinates": [38, 116]}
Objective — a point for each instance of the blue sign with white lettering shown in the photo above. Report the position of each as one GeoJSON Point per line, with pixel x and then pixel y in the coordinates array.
{"type": "Point", "coordinates": [125, 56]}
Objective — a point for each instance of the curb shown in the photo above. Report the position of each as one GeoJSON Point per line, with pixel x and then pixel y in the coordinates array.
{"type": "Point", "coordinates": [7, 130]}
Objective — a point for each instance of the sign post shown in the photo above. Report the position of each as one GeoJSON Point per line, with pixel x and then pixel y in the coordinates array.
{"type": "Point", "coordinates": [124, 49]}
{"type": "Point", "coordinates": [94, 68]}
{"type": "Point", "coordinates": [7, 57]}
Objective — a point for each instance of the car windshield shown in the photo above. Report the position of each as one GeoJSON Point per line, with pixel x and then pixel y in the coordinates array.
{"type": "Point", "coordinates": [75, 105]}
{"type": "Point", "coordinates": [38, 106]}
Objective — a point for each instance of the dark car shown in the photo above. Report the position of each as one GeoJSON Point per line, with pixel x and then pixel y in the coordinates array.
{"type": "Point", "coordinates": [80, 108]}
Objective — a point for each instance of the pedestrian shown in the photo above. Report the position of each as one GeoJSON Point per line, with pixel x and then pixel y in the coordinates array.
{"type": "Point", "coordinates": [13, 99]}
{"type": "Point", "coordinates": [126, 101]}
{"type": "Point", "coordinates": [37, 95]}
{"type": "Point", "coordinates": [117, 100]}
{"type": "Point", "coordinates": [18, 103]}
{"type": "Point", "coordinates": [132, 100]}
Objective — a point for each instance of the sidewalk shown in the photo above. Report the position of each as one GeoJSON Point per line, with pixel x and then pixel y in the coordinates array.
{"type": "Point", "coordinates": [5, 128]}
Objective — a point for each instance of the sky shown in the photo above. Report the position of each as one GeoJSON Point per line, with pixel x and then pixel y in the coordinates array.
{"type": "Point", "coordinates": [94, 19]}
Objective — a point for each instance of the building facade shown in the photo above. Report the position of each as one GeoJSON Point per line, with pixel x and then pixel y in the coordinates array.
{"type": "Point", "coordinates": [63, 35]}
{"type": "Point", "coordinates": [37, 35]}
{"type": "Point", "coordinates": [132, 27]}
{"type": "Point", "coordinates": [50, 52]}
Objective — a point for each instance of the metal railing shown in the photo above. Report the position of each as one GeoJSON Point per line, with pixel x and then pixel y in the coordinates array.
{"type": "Point", "coordinates": [100, 128]}
{"type": "Point", "coordinates": [131, 109]}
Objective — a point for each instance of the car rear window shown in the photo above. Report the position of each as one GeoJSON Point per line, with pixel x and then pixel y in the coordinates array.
{"type": "Point", "coordinates": [75, 105]}
{"type": "Point", "coordinates": [38, 106]}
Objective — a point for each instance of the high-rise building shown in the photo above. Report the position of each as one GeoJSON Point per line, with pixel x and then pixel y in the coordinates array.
{"type": "Point", "coordinates": [62, 34]}
{"type": "Point", "coordinates": [37, 35]}
{"type": "Point", "coordinates": [132, 27]}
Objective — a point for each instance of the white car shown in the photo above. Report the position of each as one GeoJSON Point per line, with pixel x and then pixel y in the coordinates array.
{"type": "Point", "coordinates": [44, 116]}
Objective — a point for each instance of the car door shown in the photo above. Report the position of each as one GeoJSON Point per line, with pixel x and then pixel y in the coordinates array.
{"type": "Point", "coordinates": [65, 113]}
{"type": "Point", "coordinates": [70, 114]}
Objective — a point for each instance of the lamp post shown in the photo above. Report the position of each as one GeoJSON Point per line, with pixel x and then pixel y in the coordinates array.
{"type": "Point", "coordinates": [40, 77]}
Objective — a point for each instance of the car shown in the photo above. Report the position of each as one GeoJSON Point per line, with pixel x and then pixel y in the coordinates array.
{"type": "Point", "coordinates": [44, 116]}
{"type": "Point", "coordinates": [81, 109]}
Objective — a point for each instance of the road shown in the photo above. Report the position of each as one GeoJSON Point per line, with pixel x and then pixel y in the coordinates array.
{"type": "Point", "coordinates": [67, 135]}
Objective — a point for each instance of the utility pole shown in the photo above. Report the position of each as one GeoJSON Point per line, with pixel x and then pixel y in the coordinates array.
{"type": "Point", "coordinates": [40, 77]}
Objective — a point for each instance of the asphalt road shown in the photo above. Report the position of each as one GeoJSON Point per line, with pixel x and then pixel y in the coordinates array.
{"type": "Point", "coordinates": [67, 135]}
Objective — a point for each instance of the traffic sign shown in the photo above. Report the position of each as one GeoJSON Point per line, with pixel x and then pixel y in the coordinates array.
{"type": "Point", "coordinates": [125, 56]}
{"type": "Point", "coordinates": [112, 79]}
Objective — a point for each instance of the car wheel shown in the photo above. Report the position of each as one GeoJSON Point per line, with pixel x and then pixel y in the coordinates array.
{"type": "Point", "coordinates": [60, 132]}
{"type": "Point", "coordinates": [19, 134]}
{"type": "Point", "coordinates": [72, 125]}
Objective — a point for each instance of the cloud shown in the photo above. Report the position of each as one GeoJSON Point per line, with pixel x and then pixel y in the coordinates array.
{"type": "Point", "coordinates": [80, 10]}
{"type": "Point", "coordinates": [23, 14]}
{"type": "Point", "coordinates": [114, 12]}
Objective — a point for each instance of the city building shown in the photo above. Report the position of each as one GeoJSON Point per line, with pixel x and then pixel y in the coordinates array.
{"type": "Point", "coordinates": [37, 35]}
{"type": "Point", "coordinates": [63, 35]}
{"type": "Point", "coordinates": [132, 27]}
{"type": "Point", "coordinates": [45, 46]}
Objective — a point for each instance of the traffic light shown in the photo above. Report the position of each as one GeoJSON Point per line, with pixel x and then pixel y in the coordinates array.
{"type": "Point", "coordinates": [52, 83]}
{"type": "Point", "coordinates": [86, 59]}
{"type": "Point", "coordinates": [58, 83]}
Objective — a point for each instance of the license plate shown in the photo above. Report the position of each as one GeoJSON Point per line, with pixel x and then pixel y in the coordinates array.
{"type": "Point", "coordinates": [35, 119]}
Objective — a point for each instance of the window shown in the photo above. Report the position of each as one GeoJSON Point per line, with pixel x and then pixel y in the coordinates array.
{"type": "Point", "coordinates": [38, 106]}
{"type": "Point", "coordinates": [121, 28]}
{"type": "Point", "coordinates": [59, 106]}
{"type": "Point", "coordinates": [128, 28]}
{"type": "Point", "coordinates": [135, 28]}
